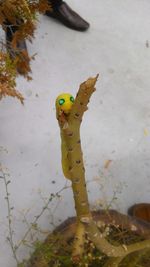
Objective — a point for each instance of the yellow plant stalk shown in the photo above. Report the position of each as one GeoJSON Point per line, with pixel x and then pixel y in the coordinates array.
{"type": "Point", "coordinates": [69, 118]}
{"type": "Point", "coordinates": [63, 104]}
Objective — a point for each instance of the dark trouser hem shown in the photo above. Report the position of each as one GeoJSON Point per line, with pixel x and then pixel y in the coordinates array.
{"type": "Point", "coordinates": [55, 3]}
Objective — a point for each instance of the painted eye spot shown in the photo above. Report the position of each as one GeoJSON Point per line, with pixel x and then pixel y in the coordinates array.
{"type": "Point", "coordinates": [61, 101]}
{"type": "Point", "coordinates": [72, 99]}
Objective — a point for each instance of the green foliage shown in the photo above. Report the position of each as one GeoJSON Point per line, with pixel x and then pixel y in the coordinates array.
{"type": "Point", "coordinates": [7, 77]}
{"type": "Point", "coordinates": [22, 15]}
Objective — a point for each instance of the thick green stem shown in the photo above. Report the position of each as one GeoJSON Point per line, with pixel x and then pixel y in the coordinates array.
{"type": "Point", "coordinates": [78, 246]}
{"type": "Point", "coordinates": [77, 171]}
{"type": "Point", "coordinates": [103, 245]}
{"type": "Point", "coordinates": [135, 258]}
{"type": "Point", "coordinates": [70, 134]}
{"type": "Point", "coordinates": [72, 154]}
{"type": "Point", "coordinates": [113, 262]}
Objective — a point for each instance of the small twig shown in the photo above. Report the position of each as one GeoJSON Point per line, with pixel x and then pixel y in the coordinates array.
{"type": "Point", "coordinates": [13, 246]}
{"type": "Point", "coordinates": [9, 216]}
{"type": "Point", "coordinates": [37, 217]}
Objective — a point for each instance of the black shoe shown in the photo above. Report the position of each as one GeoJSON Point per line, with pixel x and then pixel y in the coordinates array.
{"type": "Point", "coordinates": [68, 17]}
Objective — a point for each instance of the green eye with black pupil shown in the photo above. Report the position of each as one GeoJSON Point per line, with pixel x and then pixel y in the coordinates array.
{"type": "Point", "coordinates": [61, 101]}
{"type": "Point", "coordinates": [71, 98]}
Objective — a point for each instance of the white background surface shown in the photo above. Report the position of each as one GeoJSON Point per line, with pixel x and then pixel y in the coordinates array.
{"type": "Point", "coordinates": [116, 127]}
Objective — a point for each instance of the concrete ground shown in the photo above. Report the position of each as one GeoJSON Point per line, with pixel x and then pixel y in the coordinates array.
{"type": "Point", "coordinates": [115, 131]}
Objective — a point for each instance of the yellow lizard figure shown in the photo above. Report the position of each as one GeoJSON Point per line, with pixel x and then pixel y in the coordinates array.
{"type": "Point", "coordinates": [64, 104]}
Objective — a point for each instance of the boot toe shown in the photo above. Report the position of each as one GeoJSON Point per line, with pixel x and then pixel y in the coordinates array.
{"type": "Point", "coordinates": [68, 17]}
